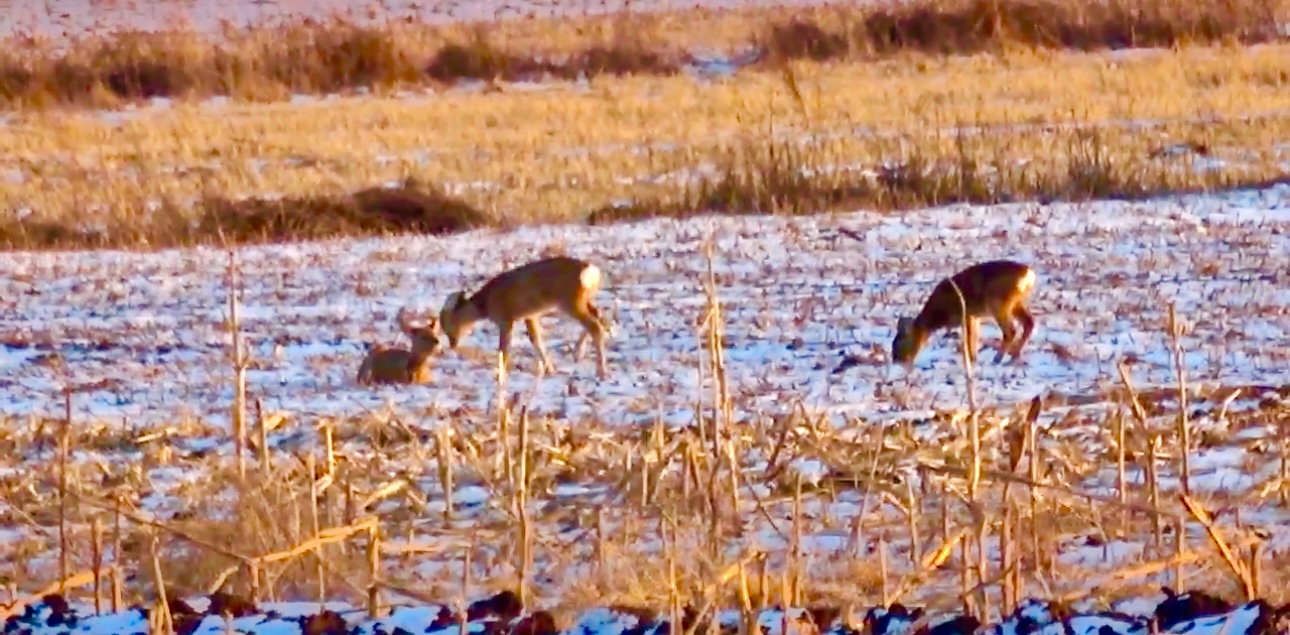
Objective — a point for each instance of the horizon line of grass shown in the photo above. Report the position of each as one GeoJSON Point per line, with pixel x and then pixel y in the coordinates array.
{"type": "Point", "coordinates": [309, 56]}
{"type": "Point", "coordinates": [752, 178]}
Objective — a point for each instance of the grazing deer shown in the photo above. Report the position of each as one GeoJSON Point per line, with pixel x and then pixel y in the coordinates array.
{"type": "Point", "coordinates": [996, 289]}
{"type": "Point", "coordinates": [390, 365]}
{"type": "Point", "coordinates": [527, 293]}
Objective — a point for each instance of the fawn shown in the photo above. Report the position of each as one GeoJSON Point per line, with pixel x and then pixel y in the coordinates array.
{"type": "Point", "coordinates": [527, 293]}
{"type": "Point", "coordinates": [390, 365]}
{"type": "Point", "coordinates": [996, 289]}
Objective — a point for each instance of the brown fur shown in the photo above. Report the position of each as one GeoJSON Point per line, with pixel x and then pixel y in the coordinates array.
{"type": "Point", "coordinates": [390, 365]}
{"type": "Point", "coordinates": [997, 289]}
{"type": "Point", "coordinates": [526, 293]}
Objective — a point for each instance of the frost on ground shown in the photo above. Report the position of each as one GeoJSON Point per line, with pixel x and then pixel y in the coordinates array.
{"type": "Point", "coordinates": [142, 337]}
{"type": "Point", "coordinates": [142, 340]}
{"type": "Point", "coordinates": [1176, 614]}
{"type": "Point", "coordinates": [75, 16]}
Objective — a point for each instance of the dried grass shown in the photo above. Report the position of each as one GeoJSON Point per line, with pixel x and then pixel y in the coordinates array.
{"type": "Point", "coordinates": [338, 53]}
{"type": "Point", "coordinates": [608, 552]}
{"type": "Point", "coordinates": [802, 138]}
{"type": "Point", "coordinates": [948, 27]}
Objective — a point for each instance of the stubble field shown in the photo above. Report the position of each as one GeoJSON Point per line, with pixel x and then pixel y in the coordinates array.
{"type": "Point", "coordinates": [753, 448]}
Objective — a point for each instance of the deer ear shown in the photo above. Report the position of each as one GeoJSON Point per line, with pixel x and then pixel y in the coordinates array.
{"type": "Point", "coordinates": [454, 300]}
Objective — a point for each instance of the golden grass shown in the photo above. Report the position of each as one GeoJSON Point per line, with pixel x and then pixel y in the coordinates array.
{"type": "Point", "coordinates": [343, 53]}
{"type": "Point", "coordinates": [1056, 126]}
{"type": "Point", "coordinates": [273, 512]}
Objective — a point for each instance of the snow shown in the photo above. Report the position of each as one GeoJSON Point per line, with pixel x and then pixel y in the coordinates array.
{"type": "Point", "coordinates": [1032, 617]}
{"type": "Point", "coordinates": [795, 297]}
{"type": "Point", "coordinates": [142, 338]}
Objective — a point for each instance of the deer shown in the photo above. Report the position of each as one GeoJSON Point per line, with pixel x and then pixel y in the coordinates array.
{"type": "Point", "coordinates": [997, 289]}
{"type": "Point", "coordinates": [557, 284]}
{"type": "Point", "coordinates": [393, 365]}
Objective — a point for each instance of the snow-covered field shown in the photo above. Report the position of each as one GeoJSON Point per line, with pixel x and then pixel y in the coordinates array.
{"type": "Point", "coordinates": [76, 16]}
{"type": "Point", "coordinates": [142, 337]}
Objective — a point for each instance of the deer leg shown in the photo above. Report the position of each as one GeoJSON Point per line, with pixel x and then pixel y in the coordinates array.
{"type": "Point", "coordinates": [1003, 317]}
{"type": "Point", "coordinates": [503, 345]}
{"type": "Point", "coordinates": [970, 338]}
{"type": "Point", "coordinates": [364, 372]}
{"type": "Point", "coordinates": [535, 336]}
{"type": "Point", "coordinates": [581, 347]}
{"type": "Point", "coordinates": [589, 317]}
{"type": "Point", "coordinates": [1027, 329]}
{"type": "Point", "coordinates": [586, 333]}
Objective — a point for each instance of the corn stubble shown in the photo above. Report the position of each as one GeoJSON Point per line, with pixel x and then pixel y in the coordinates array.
{"type": "Point", "coordinates": [709, 516]}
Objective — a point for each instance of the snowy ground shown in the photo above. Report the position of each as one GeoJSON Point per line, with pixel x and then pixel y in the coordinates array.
{"type": "Point", "coordinates": [1167, 614]}
{"type": "Point", "coordinates": [142, 336]}
{"type": "Point", "coordinates": [142, 339]}
{"type": "Point", "coordinates": [77, 16]}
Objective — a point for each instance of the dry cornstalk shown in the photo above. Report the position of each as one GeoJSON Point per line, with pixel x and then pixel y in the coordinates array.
{"type": "Point", "coordinates": [1184, 427]}
{"type": "Point", "coordinates": [163, 603]}
{"type": "Point", "coordinates": [1104, 585]}
{"type": "Point", "coordinates": [974, 470]}
{"type": "Point", "coordinates": [74, 582]}
{"type": "Point", "coordinates": [1235, 564]}
{"type": "Point", "coordinates": [521, 503]}
{"type": "Point", "coordinates": [374, 570]}
{"type": "Point", "coordinates": [96, 562]}
{"type": "Point", "coordinates": [262, 430]}
{"type": "Point", "coordinates": [314, 523]}
{"type": "Point", "coordinates": [238, 360]}
{"type": "Point", "coordinates": [64, 449]}
{"type": "Point", "coordinates": [710, 591]}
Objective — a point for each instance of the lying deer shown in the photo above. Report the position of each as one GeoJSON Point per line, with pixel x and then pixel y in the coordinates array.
{"type": "Point", "coordinates": [391, 365]}
{"type": "Point", "coordinates": [526, 293]}
{"type": "Point", "coordinates": [996, 289]}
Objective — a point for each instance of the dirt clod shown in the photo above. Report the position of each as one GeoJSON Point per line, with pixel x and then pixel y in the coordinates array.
{"type": "Point", "coordinates": [324, 623]}
{"type": "Point", "coordinates": [504, 606]}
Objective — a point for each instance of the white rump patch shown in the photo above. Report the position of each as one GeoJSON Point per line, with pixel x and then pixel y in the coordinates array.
{"type": "Point", "coordinates": [1027, 281]}
{"type": "Point", "coordinates": [590, 277]}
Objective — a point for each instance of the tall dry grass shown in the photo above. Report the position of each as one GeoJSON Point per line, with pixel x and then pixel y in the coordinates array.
{"type": "Point", "coordinates": [338, 54]}
{"type": "Point", "coordinates": [801, 138]}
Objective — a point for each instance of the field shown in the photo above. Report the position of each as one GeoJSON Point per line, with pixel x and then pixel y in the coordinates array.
{"type": "Point", "coordinates": [194, 270]}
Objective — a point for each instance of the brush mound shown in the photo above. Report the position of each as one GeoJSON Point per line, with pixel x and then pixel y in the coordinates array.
{"type": "Point", "coordinates": [373, 211]}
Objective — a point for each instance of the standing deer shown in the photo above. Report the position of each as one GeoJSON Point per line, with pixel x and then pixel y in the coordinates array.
{"type": "Point", "coordinates": [528, 292]}
{"type": "Point", "coordinates": [390, 365]}
{"type": "Point", "coordinates": [996, 289]}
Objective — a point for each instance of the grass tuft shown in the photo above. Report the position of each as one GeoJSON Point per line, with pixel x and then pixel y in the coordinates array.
{"type": "Point", "coordinates": [783, 178]}
{"type": "Point", "coordinates": [220, 220]}
{"type": "Point", "coordinates": [478, 58]}
{"type": "Point", "coordinates": [972, 26]}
